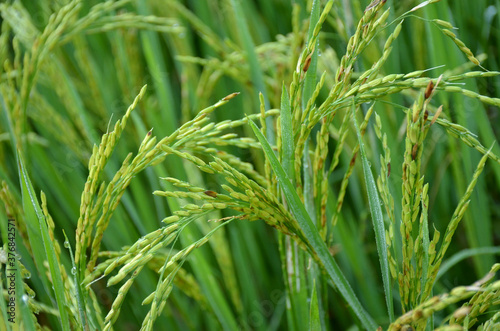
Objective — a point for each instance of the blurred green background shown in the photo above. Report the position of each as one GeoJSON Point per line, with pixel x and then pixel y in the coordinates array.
{"type": "Point", "coordinates": [191, 54]}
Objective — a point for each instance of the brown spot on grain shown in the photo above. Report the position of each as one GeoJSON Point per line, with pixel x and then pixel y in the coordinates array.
{"type": "Point", "coordinates": [211, 193]}
{"type": "Point", "coordinates": [353, 160]}
{"type": "Point", "coordinates": [428, 90]}
{"type": "Point", "coordinates": [414, 151]}
{"type": "Point", "coordinates": [307, 63]}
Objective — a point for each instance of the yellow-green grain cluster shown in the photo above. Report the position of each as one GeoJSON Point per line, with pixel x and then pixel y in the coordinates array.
{"type": "Point", "coordinates": [482, 294]}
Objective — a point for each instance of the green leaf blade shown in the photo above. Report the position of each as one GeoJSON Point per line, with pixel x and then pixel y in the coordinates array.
{"type": "Point", "coordinates": [378, 223]}
{"type": "Point", "coordinates": [287, 140]}
{"type": "Point", "coordinates": [310, 79]}
{"type": "Point", "coordinates": [314, 319]}
{"type": "Point", "coordinates": [311, 234]}
{"type": "Point", "coordinates": [36, 221]}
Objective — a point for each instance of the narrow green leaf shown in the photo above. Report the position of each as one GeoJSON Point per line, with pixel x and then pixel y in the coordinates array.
{"type": "Point", "coordinates": [8, 123]}
{"type": "Point", "coordinates": [249, 47]}
{"type": "Point", "coordinates": [378, 222]}
{"type": "Point", "coordinates": [3, 306]}
{"type": "Point", "coordinates": [310, 79]}
{"type": "Point", "coordinates": [464, 254]}
{"type": "Point", "coordinates": [76, 279]}
{"type": "Point", "coordinates": [314, 319]}
{"type": "Point", "coordinates": [253, 62]}
{"type": "Point", "coordinates": [205, 277]}
{"type": "Point", "coordinates": [425, 246]}
{"type": "Point", "coordinates": [26, 316]}
{"type": "Point", "coordinates": [287, 134]}
{"type": "Point", "coordinates": [154, 57]}
{"type": "Point", "coordinates": [44, 247]}
{"type": "Point", "coordinates": [307, 92]}
{"type": "Point", "coordinates": [312, 235]}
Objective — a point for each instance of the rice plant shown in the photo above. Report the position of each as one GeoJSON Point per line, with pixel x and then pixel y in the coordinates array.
{"type": "Point", "coordinates": [249, 165]}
